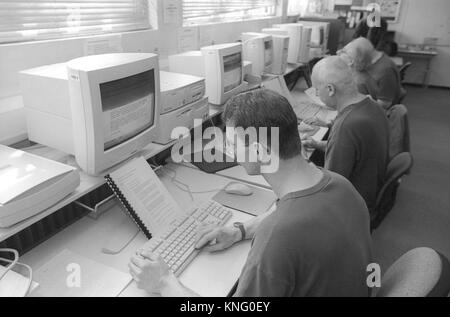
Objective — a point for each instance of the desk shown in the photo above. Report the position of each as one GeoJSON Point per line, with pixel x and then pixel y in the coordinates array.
{"type": "Point", "coordinates": [90, 183]}
{"type": "Point", "coordinates": [87, 183]}
{"type": "Point", "coordinates": [208, 275]}
{"type": "Point", "coordinates": [398, 61]}
{"type": "Point", "coordinates": [420, 54]}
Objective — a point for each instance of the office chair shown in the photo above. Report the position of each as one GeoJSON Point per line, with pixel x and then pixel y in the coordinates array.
{"type": "Point", "coordinates": [422, 272]}
{"type": "Point", "coordinates": [397, 168]}
{"type": "Point", "coordinates": [403, 70]}
{"type": "Point", "coordinates": [399, 134]}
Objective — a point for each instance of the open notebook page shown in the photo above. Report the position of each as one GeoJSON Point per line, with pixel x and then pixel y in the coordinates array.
{"type": "Point", "coordinates": [147, 195]}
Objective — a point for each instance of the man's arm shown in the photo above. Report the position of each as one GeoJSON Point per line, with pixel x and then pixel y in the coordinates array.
{"type": "Point", "coordinates": [172, 287]}
{"type": "Point", "coordinates": [153, 275]}
{"type": "Point", "coordinates": [315, 145]}
{"type": "Point", "coordinates": [252, 225]}
{"type": "Point", "coordinates": [213, 238]}
{"type": "Point", "coordinates": [341, 155]}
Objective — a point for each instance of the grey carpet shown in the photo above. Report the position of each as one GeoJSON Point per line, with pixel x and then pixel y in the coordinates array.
{"type": "Point", "coordinates": [421, 217]}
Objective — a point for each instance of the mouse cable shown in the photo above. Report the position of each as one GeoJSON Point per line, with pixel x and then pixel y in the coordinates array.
{"type": "Point", "coordinates": [179, 184]}
{"type": "Point", "coordinates": [112, 252]}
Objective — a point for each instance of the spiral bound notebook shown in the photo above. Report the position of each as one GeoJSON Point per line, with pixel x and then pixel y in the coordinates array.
{"type": "Point", "coordinates": [144, 197]}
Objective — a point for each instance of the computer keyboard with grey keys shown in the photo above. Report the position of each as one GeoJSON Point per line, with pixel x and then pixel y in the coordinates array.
{"type": "Point", "coordinates": [176, 246]}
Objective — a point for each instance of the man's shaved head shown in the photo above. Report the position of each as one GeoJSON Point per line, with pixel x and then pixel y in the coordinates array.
{"type": "Point", "coordinates": [358, 53]}
{"type": "Point", "coordinates": [333, 70]}
{"type": "Point", "coordinates": [333, 78]}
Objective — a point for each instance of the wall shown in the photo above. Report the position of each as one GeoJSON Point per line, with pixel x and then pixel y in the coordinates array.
{"type": "Point", "coordinates": [164, 41]}
{"type": "Point", "coordinates": [426, 18]}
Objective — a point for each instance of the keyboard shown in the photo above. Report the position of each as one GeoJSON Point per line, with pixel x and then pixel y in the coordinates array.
{"type": "Point", "coordinates": [312, 111]}
{"type": "Point", "coordinates": [176, 245]}
{"type": "Point", "coordinates": [308, 111]}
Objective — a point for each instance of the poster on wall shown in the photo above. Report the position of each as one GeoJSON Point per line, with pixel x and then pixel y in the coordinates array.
{"type": "Point", "coordinates": [390, 9]}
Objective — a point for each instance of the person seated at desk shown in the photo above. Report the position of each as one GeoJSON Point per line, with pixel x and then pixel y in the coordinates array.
{"type": "Point", "coordinates": [381, 68]}
{"type": "Point", "coordinates": [358, 146]}
{"type": "Point", "coordinates": [353, 56]}
{"type": "Point", "coordinates": [359, 63]}
{"type": "Point", "coordinates": [317, 241]}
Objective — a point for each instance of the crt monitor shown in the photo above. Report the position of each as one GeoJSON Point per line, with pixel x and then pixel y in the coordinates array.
{"type": "Point", "coordinates": [280, 51]}
{"type": "Point", "coordinates": [321, 35]}
{"type": "Point", "coordinates": [221, 66]}
{"type": "Point", "coordinates": [305, 44]}
{"type": "Point", "coordinates": [295, 33]}
{"type": "Point", "coordinates": [115, 107]}
{"type": "Point", "coordinates": [258, 49]}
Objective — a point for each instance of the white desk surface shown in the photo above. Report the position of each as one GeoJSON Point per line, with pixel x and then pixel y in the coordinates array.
{"type": "Point", "coordinates": [424, 53]}
{"type": "Point", "coordinates": [208, 275]}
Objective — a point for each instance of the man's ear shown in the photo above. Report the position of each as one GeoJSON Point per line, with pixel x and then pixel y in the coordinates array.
{"type": "Point", "coordinates": [331, 90]}
{"type": "Point", "coordinates": [262, 152]}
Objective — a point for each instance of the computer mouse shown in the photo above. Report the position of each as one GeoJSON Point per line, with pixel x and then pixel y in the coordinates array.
{"type": "Point", "coordinates": [238, 189]}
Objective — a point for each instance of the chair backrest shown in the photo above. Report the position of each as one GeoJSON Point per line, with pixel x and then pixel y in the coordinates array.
{"type": "Point", "coordinates": [397, 168]}
{"type": "Point", "coordinates": [399, 137]}
{"type": "Point", "coordinates": [403, 70]}
{"type": "Point", "coordinates": [422, 272]}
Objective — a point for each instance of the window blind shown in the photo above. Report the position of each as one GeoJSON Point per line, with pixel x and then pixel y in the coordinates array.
{"type": "Point", "coordinates": [202, 11]}
{"type": "Point", "coordinates": [45, 19]}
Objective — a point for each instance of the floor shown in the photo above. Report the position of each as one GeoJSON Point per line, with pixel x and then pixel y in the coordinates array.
{"type": "Point", "coordinates": [421, 217]}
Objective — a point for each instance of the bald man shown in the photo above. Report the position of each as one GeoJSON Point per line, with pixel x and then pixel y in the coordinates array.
{"type": "Point", "coordinates": [359, 140]}
{"type": "Point", "coordinates": [380, 67]}
{"type": "Point", "coordinates": [359, 62]}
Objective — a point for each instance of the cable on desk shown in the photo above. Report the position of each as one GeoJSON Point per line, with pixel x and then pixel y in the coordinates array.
{"type": "Point", "coordinates": [15, 262]}
{"type": "Point", "coordinates": [12, 262]}
{"type": "Point", "coordinates": [179, 184]}
{"type": "Point", "coordinates": [112, 252]}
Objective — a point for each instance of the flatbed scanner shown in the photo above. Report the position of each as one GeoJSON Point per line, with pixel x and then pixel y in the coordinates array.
{"type": "Point", "coordinates": [30, 184]}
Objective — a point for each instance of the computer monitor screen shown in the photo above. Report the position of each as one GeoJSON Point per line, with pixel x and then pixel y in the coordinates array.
{"type": "Point", "coordinates": [128, 106]}
{"type": "Point", "coordinates": [232, 65]}
{"type": "Point", "coordinates": [268, 56]}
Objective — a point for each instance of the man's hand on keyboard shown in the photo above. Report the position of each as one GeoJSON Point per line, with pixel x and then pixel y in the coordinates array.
{"type": "Point", "coordinates": [214, 239]}
{"type": "Point", "coordinates": [149, 272]}
{"type": "Point", "coordinates": [309, 142]}
{"type": "Point", "coordinates": [317, 122]}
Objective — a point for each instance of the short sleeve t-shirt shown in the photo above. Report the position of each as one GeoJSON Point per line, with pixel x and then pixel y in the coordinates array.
{"type": "Point", "coordinates": [316, 244]}
{"type": "Point", "coordinates": [386, 75]}
{"type": "Point", "coordinates": [366, 84]}
{"type": "Point", "coordinates": [358, 148]}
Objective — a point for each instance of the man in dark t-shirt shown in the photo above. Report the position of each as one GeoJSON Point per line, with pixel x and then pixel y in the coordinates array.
{"type": "Point", "coordinates": [379, 67]}
{"type": "Point", "coordinates": [316, 243]}
{"type": "Point", "coordinates": [358, 146]}
{"type": "Point", "coordinates": [385, 73]}
{"type": "Point", "coordinates": [366, 84]}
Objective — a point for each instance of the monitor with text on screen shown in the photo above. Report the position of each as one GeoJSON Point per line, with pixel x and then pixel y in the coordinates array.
{"type": "Point", "coordinates": [103, 108]}
{"type": "Point", "coordinates": [221, 66]}
{"type": "Point", "coordinates": [115, 98]}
